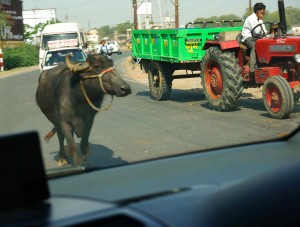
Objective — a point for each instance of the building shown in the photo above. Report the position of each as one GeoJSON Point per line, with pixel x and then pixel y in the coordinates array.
{"type": "Point", "coordinates": [92, 36]}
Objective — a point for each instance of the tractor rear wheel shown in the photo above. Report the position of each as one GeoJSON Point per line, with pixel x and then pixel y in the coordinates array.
{"type": "Point", "coordinates": [221, 79]}
{"type": "Point", "coordinates": [278, 97]}
{"type": "Point", "coordinates": [160, 80]}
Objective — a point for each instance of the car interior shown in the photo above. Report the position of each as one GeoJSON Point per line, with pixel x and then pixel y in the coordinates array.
{"type": "Point", "coordinates": [254, 184]}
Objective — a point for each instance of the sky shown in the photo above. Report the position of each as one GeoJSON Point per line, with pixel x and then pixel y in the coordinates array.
{"type": "Point", "coordinates": [97, 13]}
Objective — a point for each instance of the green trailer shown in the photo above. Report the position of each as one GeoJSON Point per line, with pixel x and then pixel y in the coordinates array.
{"type": "Point", "coordinates": [160, 52]}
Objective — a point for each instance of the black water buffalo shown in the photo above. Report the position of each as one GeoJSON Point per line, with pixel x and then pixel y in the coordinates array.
{"type": "Point", "coordinates": [71, 94]}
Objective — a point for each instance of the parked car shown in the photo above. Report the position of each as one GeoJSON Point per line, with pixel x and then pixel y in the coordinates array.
{"type": "Point", "coordinates": [54, 56]}
{"type": "Point", "coordinates": [114, 46]}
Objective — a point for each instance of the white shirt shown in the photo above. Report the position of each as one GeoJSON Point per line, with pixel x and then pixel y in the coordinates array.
{"type": "Point", "coordinates": [102, 48]}
{"type": "Point", "coordinates": [249, 24]}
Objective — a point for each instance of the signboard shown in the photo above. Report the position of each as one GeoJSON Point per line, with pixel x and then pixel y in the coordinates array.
{"type": "Point", "coordinates": [13, 31]}
{"type": "Point", "coordinates": [55, 44]}
{"type": "Point", "coordinates": [35, 16]}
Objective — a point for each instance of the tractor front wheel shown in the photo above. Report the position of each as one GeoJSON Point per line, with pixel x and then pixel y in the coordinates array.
{"type": "Point", "coordinates": [221, 79]}
{"type": "Point", "coordinates": [278, 97]}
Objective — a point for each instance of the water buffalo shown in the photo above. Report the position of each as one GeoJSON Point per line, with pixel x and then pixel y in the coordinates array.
{"type": "Point", "coordinates": [71, 94]}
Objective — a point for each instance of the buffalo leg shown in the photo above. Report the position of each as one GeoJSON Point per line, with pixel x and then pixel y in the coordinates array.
{"type": "Point", "coordinates": [62, 159]}
{"type": "Point", "coordinates": [71, 145]}
{"type": "Point", "coordinates": [84, 143]}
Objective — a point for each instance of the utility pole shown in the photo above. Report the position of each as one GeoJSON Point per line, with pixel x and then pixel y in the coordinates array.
{"type": "Point", "coordinates": [135, 22]}
{"type": "Point", "coordinates": [250, 7]}
{"type": "Point", "coordinates": [176, 12]}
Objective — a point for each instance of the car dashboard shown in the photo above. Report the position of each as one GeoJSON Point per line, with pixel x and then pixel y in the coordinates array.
{"type": "Point", "coordinates": [246, 185]}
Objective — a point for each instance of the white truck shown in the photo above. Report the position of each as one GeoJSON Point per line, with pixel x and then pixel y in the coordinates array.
{"type": "Point", "coordinates": [60, 35]}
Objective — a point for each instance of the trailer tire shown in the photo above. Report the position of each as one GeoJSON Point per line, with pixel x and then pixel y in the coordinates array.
{"type": "Point", "coordinates": [160, 80]}
{"type": "Point", "coordinates": [278, 97]}
{"type": "Point", "coordinates": [145, 66]}
{"type": "Point", "coordinates": [221, 79]}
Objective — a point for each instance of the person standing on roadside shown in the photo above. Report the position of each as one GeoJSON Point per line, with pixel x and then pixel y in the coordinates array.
{"type": "Point", "coordinates": [251, 21]}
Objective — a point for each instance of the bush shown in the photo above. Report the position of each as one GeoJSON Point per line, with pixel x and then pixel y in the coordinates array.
{"type": "Point", "coordinates": [22, 56]}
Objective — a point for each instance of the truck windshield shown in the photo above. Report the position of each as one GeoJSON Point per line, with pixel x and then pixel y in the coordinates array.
{"type": "Point", "coordinates": [51, 37]}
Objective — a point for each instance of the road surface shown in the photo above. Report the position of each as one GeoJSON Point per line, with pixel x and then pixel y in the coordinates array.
{"type": "Point", "coordinates": [138, 128]}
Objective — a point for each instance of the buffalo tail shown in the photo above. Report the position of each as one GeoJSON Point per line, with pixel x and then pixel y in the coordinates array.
{"type": "Point", "coordinates": [50, 134]}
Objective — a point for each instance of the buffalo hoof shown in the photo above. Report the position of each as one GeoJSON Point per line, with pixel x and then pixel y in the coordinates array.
{"type": "Point", "coordinates": [62, 162]}
{"type": "Point", "coordinates": [83, 158]}
{"type": "Point", "coordinates": [77, 160]}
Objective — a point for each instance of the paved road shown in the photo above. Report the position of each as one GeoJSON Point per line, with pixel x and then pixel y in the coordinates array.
{"type": "Point", "coordinates": [137, 128]}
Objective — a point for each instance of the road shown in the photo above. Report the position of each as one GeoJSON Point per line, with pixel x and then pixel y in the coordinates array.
{"type": "Point", "coordinates": [138, 128]}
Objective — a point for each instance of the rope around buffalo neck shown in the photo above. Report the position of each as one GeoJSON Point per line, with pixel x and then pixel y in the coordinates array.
{"type": "Point", "coordinates": [101, 86]}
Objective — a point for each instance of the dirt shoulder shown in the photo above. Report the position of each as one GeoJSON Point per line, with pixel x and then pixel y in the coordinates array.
{"type": "Point", "coordinates": [194, 84]}
{"type": "Point", "coordinates": [18, 71]}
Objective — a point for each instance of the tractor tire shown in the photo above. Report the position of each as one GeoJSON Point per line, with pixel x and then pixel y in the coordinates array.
{"type": "Point", "coordinates": [160, 80]}
{"type": "Point", "coordinates": [221, 79]}
{"type": "Point", "coordinates": [278, 97]}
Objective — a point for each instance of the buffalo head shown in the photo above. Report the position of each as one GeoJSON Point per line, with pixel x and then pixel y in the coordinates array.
{"type": "Point", "coordinates": [99, 67]}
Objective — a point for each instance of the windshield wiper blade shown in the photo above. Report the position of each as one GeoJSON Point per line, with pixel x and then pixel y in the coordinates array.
{"type": "Point", "coordinates": [69, 170]}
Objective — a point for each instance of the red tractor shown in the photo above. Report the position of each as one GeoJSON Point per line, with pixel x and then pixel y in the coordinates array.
{"type": "Point", "coordinates": [225, 70]}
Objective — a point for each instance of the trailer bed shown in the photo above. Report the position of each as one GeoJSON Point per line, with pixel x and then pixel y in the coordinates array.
{"type": "Point", "coordinates": [182, 45]}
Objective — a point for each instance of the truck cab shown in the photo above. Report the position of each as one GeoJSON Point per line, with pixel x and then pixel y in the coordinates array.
{"type": "Point", "coordinates": [61, 35]}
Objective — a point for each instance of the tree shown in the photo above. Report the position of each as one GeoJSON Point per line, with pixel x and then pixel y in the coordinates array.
{"type": "Point", "coordinates": [292, 16]}
{"type": "Point", "coordinates": [105, 31]}
{"type": "Point", "coordinates": [219, 19]}
{"type": "Point", "coordinates": [122, 28]}
{"type": "Point", "coordinates": [30, 33]}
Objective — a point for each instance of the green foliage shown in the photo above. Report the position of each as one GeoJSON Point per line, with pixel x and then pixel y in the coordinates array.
{"type": "Point", "coordinates": [122, 28]}
{"type": "Point", "coordinates": [107, 31]}
{"type": "Point", "coordinates": [22, 56]}
{"type": "Point", "coordinates": [219, 19]}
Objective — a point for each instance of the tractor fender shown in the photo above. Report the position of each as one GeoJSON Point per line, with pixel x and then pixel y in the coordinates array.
{"type": "Point", "coordinates": [224, 45]}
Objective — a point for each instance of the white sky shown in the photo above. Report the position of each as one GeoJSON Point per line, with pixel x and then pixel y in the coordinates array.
{"type": "Point", "coordinates": [98, 13]}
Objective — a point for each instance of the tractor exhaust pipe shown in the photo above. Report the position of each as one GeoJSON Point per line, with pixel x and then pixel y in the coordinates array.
{"type": "Point", "coordinates": [282, 16]}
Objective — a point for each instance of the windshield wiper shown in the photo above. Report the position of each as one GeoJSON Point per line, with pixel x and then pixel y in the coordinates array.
{"type": "Point", "coordinates": [69, 170]}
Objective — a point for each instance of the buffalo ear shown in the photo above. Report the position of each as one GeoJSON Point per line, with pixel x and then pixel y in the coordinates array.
{"type": "Point", "coordinates": [79, 67]}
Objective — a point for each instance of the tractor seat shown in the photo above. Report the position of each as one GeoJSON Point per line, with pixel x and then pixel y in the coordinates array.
{"type": "Point", "coordinates": [239, 40]}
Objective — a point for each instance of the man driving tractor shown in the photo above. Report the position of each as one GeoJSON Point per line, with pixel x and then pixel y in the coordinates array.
{"type": "Point", "coordinates": [253, 20]}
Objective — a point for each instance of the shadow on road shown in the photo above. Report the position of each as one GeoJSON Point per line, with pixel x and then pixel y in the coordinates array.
{"type": "Point", "coordinates": [248, 101]}
{"type": "Point", "coordinates": [181, 96]}
{"type": "Point", "coordinates": [100, 156]}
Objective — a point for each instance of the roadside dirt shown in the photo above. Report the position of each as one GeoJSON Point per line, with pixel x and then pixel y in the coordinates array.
{"type": "Point", "coordinates": [18, 71]}
{"type": "Point", "coordinates": [193, 84]}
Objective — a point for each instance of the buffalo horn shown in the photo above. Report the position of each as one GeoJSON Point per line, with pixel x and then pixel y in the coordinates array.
{"type": "Point", "coordinates": [76, 67]}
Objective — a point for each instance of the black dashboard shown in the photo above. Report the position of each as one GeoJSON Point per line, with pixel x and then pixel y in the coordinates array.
{"type": "Point", "coordinates": [249, 185]}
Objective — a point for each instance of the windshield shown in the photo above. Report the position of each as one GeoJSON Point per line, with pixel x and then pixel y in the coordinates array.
{"type": "Point", "coordinates": [53, 57]}
{"type": "Point", "coordinates": [171, 92]}
{"type": "Point", "coordinates": [53, 37]}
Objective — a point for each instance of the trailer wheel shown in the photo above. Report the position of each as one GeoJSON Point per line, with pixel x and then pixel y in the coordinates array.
{"type": "Point", "coordinates": [160, 81]}
{"type": "Point", "coordinates": [278, 97]}
{"type": "Point", "coordinates": [221, 79]}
